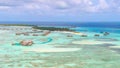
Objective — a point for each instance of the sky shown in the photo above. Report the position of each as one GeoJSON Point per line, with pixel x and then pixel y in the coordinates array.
{"type": "Point", "coordinates": [60, 10]}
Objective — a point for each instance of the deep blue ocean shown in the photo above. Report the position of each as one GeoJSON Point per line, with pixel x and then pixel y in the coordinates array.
{"type": "Point", "coordinates": [89, 24]}
{"type": "Point", "coordinates": [74, 24]}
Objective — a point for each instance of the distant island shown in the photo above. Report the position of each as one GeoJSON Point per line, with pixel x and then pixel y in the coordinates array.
{"type": "Point", "coordinates": [52, 28]}
{"type": "Point", "coordinates": [15, 25]}
{"type": "Point", "coordinates": [41, 27]}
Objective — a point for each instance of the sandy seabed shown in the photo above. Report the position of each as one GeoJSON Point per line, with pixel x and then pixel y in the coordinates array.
{"type": "Point", "coordinates": [83, 55]}
{"type": "Point", "coordinates": [91, 42]}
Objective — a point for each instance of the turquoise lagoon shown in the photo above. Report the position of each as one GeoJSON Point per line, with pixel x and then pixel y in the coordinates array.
{"type": "Point", "coordinates": [57, 50]}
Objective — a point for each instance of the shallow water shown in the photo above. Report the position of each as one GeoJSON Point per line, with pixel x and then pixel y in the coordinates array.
{"type": "Point", "coordinates": [86, 55]}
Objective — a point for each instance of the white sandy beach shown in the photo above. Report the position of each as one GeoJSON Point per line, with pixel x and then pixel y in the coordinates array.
{"type": "Point", "coordinates": [74, 33]}
{"type": "Point", "coordinates": [92, 42]}
{"type": "Point", "coordinates": [118, 47]}
{"type": "Point", "coordinates": [51, 49]}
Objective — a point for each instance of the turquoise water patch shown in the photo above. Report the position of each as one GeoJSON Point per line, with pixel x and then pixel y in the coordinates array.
{"type": "Point", "coordinates": [100, 56]}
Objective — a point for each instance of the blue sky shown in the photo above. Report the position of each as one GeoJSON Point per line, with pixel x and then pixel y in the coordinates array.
{"type": "Point", "coordinates": [60, 10]}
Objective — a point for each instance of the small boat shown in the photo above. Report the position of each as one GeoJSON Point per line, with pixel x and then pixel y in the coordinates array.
{"type": "Point", "coordinates": [69, 36]}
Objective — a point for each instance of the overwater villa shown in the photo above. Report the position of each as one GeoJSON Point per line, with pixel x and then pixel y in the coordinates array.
{"type": "Point", "coordinates": [34, 30]}
{"type": "Point", "coordinates": [97, 35]}
{"type": "Point", "coordinates": [26, 43]}
{"type": "Point", "coordinates": [15, 28]}
{"type": "Point", "coordinates": [106, 33]}
{"type": "Point", "coordinates": [83, 35]}
{"type": "Point", "coordinates": [46, 32]}
{"type": "Point", "coordinates": [35, 35]}
{"type": "Point", "coordinates": [18, 33]}
{"type": "Point", "coordinates": [69, 35]}
{"type": "Point", "coordinates": [25, 34]}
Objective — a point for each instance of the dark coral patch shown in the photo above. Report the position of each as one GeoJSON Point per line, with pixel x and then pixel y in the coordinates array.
{"type": "Point", "coordinates": [106, 39]}
{"type": "Point", "coordinates": [107, 45]}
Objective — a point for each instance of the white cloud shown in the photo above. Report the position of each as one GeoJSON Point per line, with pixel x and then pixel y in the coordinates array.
{"type": "Point", "coordinates": [61, 4]}
{"type": "Point", "coordinates": [56, 6]}
{"type": "Point", "coordinates": [103, 4]}
{"type": "Point", "coordinates": [76, 2]}
{"type": "Point", "coordinates": [4, 7]}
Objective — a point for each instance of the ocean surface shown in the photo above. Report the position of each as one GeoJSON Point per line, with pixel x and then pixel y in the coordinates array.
{"type": "Point", "coordinates": [75, 24]}
{"type": "Point", "coordinates": [54, 50]}
{"type": "Point", "coordinates": [97, 29]}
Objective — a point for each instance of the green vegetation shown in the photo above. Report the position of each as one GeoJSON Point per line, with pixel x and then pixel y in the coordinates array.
{"type": "Point", "coordinates": [52, 28]}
